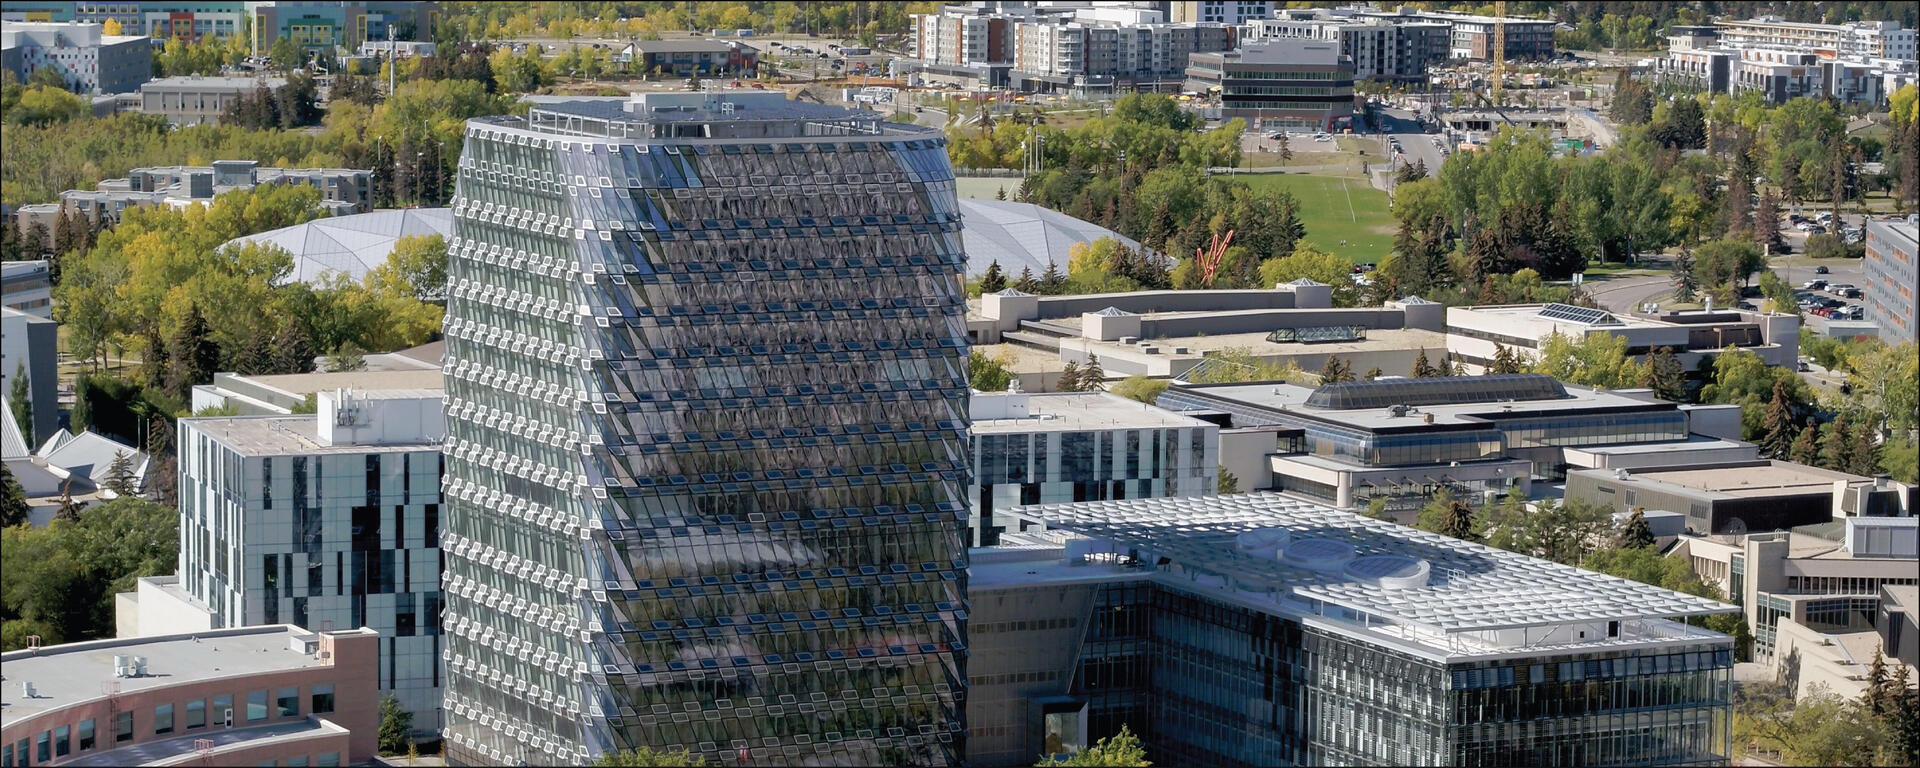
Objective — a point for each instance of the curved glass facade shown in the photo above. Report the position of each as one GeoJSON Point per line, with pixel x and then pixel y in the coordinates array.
{"type": "Point", "coordinates": [706, 449]}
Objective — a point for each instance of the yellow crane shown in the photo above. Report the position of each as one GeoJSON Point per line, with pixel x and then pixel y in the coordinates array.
{"type": "Point", "coordinates": [1499, 49]}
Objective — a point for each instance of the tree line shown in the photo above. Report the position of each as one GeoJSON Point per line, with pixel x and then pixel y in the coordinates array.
{"type": "Point", "coordinates": [58, 582]}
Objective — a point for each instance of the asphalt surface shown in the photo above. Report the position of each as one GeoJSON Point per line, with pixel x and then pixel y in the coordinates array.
{"type": "Point", "coordinates": [1416, 145]}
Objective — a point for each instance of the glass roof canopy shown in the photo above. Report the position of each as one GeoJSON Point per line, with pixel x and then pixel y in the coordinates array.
{"type": "Point", "coordinates": [1472, 587]}
{"type": "Point", "coordinates": [1444, 390]}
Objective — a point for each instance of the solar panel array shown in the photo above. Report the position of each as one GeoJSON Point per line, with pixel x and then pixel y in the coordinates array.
{"type": "Point", "coordinates": [1319, 334]}
{"type": "Point", "coordinates": [1443, 390]}
{"type": "Point", "coordinates": [1581, 315]}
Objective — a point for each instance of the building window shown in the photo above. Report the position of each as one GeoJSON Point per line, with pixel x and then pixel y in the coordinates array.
{"type": "Point", "coordinates": [322, 699]}
{"type": "Point", "coordinates": [256, 706]}
{"type": "Point", "coordinates": [162, 719]}
{"type": "Point", "coordinates": [62, 743]}
{"type": "Point", "coordinates": [289, 701]}
{"type": "Point", "coordinates": [42, 747]}
{"type": "Point", "coordinates": [86, 735]}
{"type": "Point", "coordinates": [122, 727]}
{"type": "Point", "coordinates": [196, 714]}
{"type": "Point", "coordinates": [223, 710]}
{"type": "Point", "coordinates": [328, 759]}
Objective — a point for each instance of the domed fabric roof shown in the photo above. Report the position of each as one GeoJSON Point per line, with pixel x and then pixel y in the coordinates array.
{"type": "Point", "coordinates": [351, 244]}
{"type": "Point", "coordinates": [1022, 236]}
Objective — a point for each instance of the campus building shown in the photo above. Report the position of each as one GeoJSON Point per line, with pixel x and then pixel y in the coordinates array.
{"type": "Point", "coordinates": [1081, 446]}
{"type": "Point", "coordinates": [1840, 577]}
{"type": "Point", "coordinates": [1279, 83]}
{"type": "Point", "coordinates": [1380, 49]}
{"type": "Point", "coordinates": [29, 346]}
{"type": "Point", "coordinates": [1403, 440]}
{"type": "Point", "coordinates": [688, 58]}
{"type": "Point", "coordinates": [342, 190]}
{"type": "Point", "coordinates": [1094, 53]}
{"type": "Point", "coordinates": [320, 520]}
{"type": "Point", "coordinates": [1234, 12]}
{"type": "Point", "coordinates": [1472, 35]}
{"type": "Point", "coordinates": [88, 60]}
{"type": "Point", "coordinates": [1254, 629]}
{"type": "Point", "coordinates": [1892, 269]}
{"type": "Point", "coordinates": [311, 24]}
{"type": "Point", "coordinates": [1741, 496]}
{"type": "Point", "coordinates": [706, 453]}
{"type": "Point", "coordinates": [1475, 333]}
{"type": "Point", "coordinates": [193, 100]}
{"type": "Point", "coordinates": [276, 695]}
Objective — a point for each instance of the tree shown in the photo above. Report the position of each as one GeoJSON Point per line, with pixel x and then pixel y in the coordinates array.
{"type": "Point", "coordinates": [120, 474]}
{"type": "Point", "coordinates": [1092, 377]}
{"type": "Point", "coordinates": [420, 263]}
{"type": "Point", "coordinates": [1632, 102]}
{"type": "Point", "coordinates": [1505, 360]}
{"type": "Point", "coordinates": [1636, 533]}
{"type": "Point", "coordinates": [987, 374]}
{"type": "Point", "coordinates": [285, 54]}
{"type": "Point", "coordinates": [1664, 375]}
{"type": "Point", "coordinates": [110, 27]}
{"type": "Point", "coordinates": [1227, 483]}
{"type": "Point", "coordinates": [1336, 371]}
{"type": "Point", "coordinates": [1052, 281]}
{"type": "Point", "coordinates": [1376, 508]}
{"type": "Point", "coordinates": [292, 349]}
{"type": "Point", "coordinates": [162, 462]}
{"type": "Point", "coordinates": [1373, 373]}
{"type": "Point", "coordinates": [994, 281]}
{"type": "Point", "coordinates": [1122, 750]}
{"type": "Point", "coordinates": [648, 756]}
{"type": "Point", "coordinates": [1863, 449]}
{"type": "Point", "coordinates": [396, 726]}
{"type": "Point", "coordinates": [1904, 717]}
{"type": "Point", "coordinates": [1140, 388]}
{"type": "Point", "coordinates": [21, 401]}
{"type": "Point", "coordinates": [1448, 516]}
{"type": "Point", "coordinates": [13, 499]}
{"type": "Point", "coordinates": [1422, 369]}
{"type": "Point", "coordinates": [347, 357]}
{"type": "Point", "coordinates": [1069, 380]}
{"type": "Point", "coordinates": [1878, 697]}
{"type": "Point", "coordinates": [1822, 729]}
{"type": "Point", "coordinates": [192, 355]}
{"type": "Point", "coordinates": [1766, 224]}
{"type": "Point", "coordinates": [1778, 428]}
{"type": "Point", "coordinates": [1806, 447]}
{"type": "Point", "coordinates": [62, 578]}
{"type": "Point", "coordinates": [1286, 148]}
{"type": "Point", "coordinates": [1025, 282]}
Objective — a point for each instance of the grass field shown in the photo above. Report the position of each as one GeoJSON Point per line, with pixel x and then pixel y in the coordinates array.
{"type": "Point", "coordinates": [1343, 215]}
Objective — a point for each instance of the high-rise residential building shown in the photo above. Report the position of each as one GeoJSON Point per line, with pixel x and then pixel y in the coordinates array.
{"type": "Point", "coordinates": [1082, 446]}
{"type": "Point", "coordinates": [1380, 49]}
{"type": "Point", "coordinates": [1892, 269]}
{"type": "Point", "coordinates": [1252, 629]}
{"type": "Point", "coordinates": [706, 454]}
{"type": "Point", "coordinates": [1527, 39]}
{"type": "Point", "coordinates": [1865, 39]}
{"type": "Point", "coordinates": [326, 521]}
{"type": "Point", "coordinates": [88, 60]}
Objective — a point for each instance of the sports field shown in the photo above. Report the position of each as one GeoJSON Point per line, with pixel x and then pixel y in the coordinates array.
{"type": "Point", "coordinates": [1343, 215]}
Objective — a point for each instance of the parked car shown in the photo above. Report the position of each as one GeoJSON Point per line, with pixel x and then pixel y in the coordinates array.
{"type": "Point", "coordinates": [1832, 303]}
{"type": "Point", "coordinates": [1813, 285]}
{"type": "Point", "coordinates": [1838, 288]}
{"type": "Point", "coordinates": [1852, 293]}
{"type": "Point", "coordinates": [1820, 270]}
{"type": "Point", "coordinates": [1816, 230]}
{"type": "Point", "coordinates": [1804, 226]}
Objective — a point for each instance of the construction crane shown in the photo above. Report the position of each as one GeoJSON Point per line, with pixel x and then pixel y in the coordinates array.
{"type": "Point", "coordinates": [1499, 49]}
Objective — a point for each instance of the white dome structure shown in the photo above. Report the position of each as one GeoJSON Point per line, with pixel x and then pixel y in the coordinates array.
{"type": "Point", "coordinates": [352, 245]}
{"type": "Point", "coordinates": [1022, 236]}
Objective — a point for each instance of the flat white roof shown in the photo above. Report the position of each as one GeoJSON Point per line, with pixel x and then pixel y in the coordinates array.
{"type": "Point", "coordinates": [1292, 399]}
{"type": "Point", "coordinates": [1077, 411]}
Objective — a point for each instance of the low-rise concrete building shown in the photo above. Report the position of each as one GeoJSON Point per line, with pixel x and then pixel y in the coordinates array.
{"type": "Point", "coordinates": [342, 190]}
{"type": "Point", "coordinates": [284, 394]}
{"type": "Point", "coordinates": [1082, 446]}
{"type": "Point", "coordinates": [698, 57]}
{"type": "Point", "coordinates": [193, 99]}
{"type": "Point", "coordinates": [1474, 333]}
{"type": "Point", "coordinates": [1740, 496]}
{"type": "Point", "coordinates": [243, 696]}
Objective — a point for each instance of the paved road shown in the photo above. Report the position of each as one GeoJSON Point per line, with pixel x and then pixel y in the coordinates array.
{"type": "Point", "coordinates": [1626, 294]}
{"type": "Point", "coordinates": [1415, 144]}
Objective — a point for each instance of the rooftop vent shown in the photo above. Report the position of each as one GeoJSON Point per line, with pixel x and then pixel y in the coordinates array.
{"type": "Point", "coordinates": [1388, 571]}
{"type": "Point", "coordinates": [1317, 554]}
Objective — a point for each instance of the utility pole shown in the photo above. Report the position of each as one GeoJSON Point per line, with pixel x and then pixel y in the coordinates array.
{"type": "Point", "coordinates": [1499, 50]}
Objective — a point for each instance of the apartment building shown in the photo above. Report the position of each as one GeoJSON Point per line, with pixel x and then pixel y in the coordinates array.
{"type": "Point", "coordinates": [1862, 40]}
{"type": "Point", "coordinates": [1088, 55]}
{"type": "Point", "coordinates": [88, 60]}
{"type": "Point", "coordinates": [1234, 12]}
{"type": "Point", "coordinates": [1890, 277]}
{"type": "Point", "coordinates": [312, 24]}
{"type": "Point", "coordinates": [1380, 49]}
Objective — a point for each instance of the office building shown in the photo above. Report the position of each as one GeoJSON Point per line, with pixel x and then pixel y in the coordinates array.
{"type": "Point", "coordinates": [727, 513]}
{"type": "Point", "coordinates": [320, 520]}
{"type": "Point", "coordinates": [29, 346]}
{"type": "Point", "coordinates": [88, 60]}
{"type": "Point", "coordinates": [246, 696]}
{"type": "Point", "coordinates": [342, 190]}
{"type": "Point", "coordinates": [286, 394]}
{"type": "Point", "coordinates": [687, 58]}
{"type": "Point", "coordinates": [1279, 83]}
{"type": "Point", "coordinates": [1866, 39]}
{"type": "Point", "coordinates": [1741, 496]}
{"type": "Point", "coordinates": [185, 20]}
{"type": "Point", "coordinates": [1475, 333]}
{"type": "Point", "coordinates": [1253, 629]}
{"type": "Point", "coordinates": [1234, 12]}
{"type": "Point", "coordinates": [192, 99]}
{"type": "Point", "coordinates": [1399, 50]}
{"type": "Point", "coordinates": [27, 287]}
{"type": "Point", "coordinates": [1830, 578]}
{"type": "Point", "coordinates": [1403, 440]}
{"type": "Point", "coordinates": [1890, 277]}
{"type": "Point", "coordinates": [1081, 446]}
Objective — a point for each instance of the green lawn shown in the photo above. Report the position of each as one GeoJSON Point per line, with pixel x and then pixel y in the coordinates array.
{"type": "Point", "coordinates": [1344, 216]}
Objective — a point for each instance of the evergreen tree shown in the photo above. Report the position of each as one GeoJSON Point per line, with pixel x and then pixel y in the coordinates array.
{"type": "Point", "coordinates": [1686, 279]}
{"type": "Point", "coordinates": [1000, 194]}
{"type": "Point", "coordinates": [396, 726]}
{"type": "Point", "coordinates": [1664, 375]}
{"type": "Point", "coordinates": [1422, 369]}
{"type": "Point", "coordinates": [1878, 697]}
{"type": "Point", "coordinates": [1457, 522]}
{"type": "Point", "coordinates": [13, 499]}
{"type": "Point", "coordinates": [21, 401]}
{"type": "Point", "coordinates": [1833, 443]}
{"type": "Point", "coordinates": [1227, 483]}
{"type": "Point", "coordinates": [1373, 373]}
{"type": "Point", "coordinates": [995, 280]}
{"type": "Point", "coordinates": [1093, 378]}
{"type": "Point", "coordinates": [1806, 447]}
{"type": "Point", "coordinates": [80, 417]}
{"type": "Point", "coordinates": [1637, 533]}
{"type": "Point", "coordinates": [1053, 282]}
{"type": "Point", "coordinates": [1766, 223]}
{"type": "Point", "coordinates": [1863, 449]}
{"type": "Point", "coordinates": [1903, 719]}
{"type": "Point", "coordinates": [192, 354]}
{"type": "Point", "coordinates": [1504, 360]}
{"type": "Point", "coordinates": [1335, 371]}
{"type": "Point", "coordinates": [68, 509]}
{"type": "Point", "coordinates": [1456, 367]}
{"type": "Point", "coordinates": [1025, 282]}
{"type": "Point", "coordinates": [1069, 378]}
{"type": "Point", "coordinates": [1777, 429]}
{"type": "Point", "coordinates": [120, 474]}
{"type": "Point", "coordinates": [161, 464]}
{"type": "Point", "coordinates": [255, 356]}
{"type": "Point", "coordinates": [292, 349]}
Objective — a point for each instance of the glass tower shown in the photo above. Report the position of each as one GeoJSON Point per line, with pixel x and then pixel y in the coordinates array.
{"type": "Point", "coordinates": [706, 454]}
